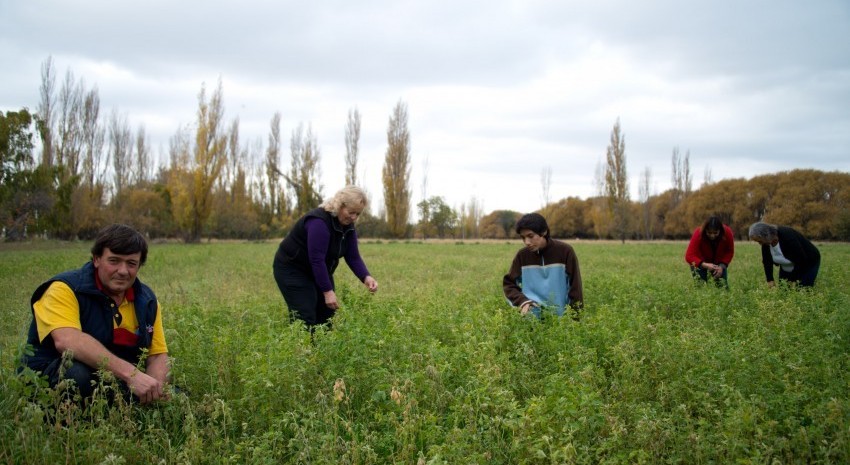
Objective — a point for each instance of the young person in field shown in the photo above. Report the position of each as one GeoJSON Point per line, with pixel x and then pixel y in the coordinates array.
{"type": "Point", "coordinates": [101, 316]}
{"type": "Point", "coordinates": [798, 259]}
{"type": "Point", "coordinates": [543, 273]}
{"type": "Point", "coordinates": [308, 256]}
{"type": "Point", "coordinates": [710, 251]}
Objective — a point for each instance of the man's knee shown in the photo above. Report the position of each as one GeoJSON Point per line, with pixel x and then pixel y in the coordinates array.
{"type": "Point", "coordinates": [81, 374]}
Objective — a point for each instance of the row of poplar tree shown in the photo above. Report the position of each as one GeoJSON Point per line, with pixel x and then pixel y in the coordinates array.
{"type": "Point", "coordinates": [66, 170]}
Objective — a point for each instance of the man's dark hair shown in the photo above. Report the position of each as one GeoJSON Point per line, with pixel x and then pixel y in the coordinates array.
{"type": "Point", "coordinates": [534, 222]}
{"type": "Point", "coordinates": [122, 240]}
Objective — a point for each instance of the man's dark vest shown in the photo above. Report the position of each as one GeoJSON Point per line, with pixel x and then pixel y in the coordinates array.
{"type": "Point", "coordinates": [293, 248]}
{"type": "Point", "coordinates": [96, 315]}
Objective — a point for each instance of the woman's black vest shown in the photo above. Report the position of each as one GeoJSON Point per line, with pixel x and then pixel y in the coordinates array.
{"type": "Point", "coordinates": [96, 315]}
{"type": "Point", "coordinates": [293, 248]}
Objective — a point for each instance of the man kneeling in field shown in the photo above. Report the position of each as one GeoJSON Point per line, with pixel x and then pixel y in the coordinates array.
{"type": "Point", "coordinates": [103, 317]}
{"type": "Point", "coordinates": [543, 273]}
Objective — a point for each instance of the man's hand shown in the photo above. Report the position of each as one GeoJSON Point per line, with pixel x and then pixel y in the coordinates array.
{"type": "Point", "coordinates": [147, 388]}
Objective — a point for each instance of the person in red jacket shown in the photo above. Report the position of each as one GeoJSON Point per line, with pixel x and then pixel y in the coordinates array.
{"type": "Point", "coordinates": [710, 251]}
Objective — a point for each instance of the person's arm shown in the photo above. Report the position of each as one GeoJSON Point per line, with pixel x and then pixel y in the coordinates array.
{"type": "Point", "coordinates": [727, 247]}
{"type": "Point", "coordinates": [157, 362]}
{"type": "Point", "coordinates": [91, 352]}
{"type": "Point", "coordinates": [156, 366]}
{"type": "Point", "coordinates": [767, 262]}
{"type": "Point", "coordinates": [692, 254]}
{"type": "Point", "coordinates": [512, 290]}
{"type": "Point", "coordinates": [357, 265]}
{"type": "Point", "coordinates": [318, 237]}
{"type": "Point", "coordinates": [576, 292]}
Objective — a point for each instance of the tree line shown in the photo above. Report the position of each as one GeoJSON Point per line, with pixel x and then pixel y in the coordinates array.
{"type": "Point", "coordinates": [94, 168]}
{"type": "Point", "coordinates": [67, 169]}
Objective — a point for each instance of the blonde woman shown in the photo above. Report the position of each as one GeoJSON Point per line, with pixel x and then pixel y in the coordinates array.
{"type": "Point", "coordinates": [308, 256]}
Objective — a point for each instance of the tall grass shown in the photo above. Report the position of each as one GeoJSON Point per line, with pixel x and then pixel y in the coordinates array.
{"type": "Point", "coordinates": [436, 368]}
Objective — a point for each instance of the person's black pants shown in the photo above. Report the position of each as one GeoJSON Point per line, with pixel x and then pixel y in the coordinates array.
{"type": "Point", "coordinates": [85, 378]}
{"type": "Point", "coordinates": [702, 273]}
{"type": "Point", "coordinates": [304, 299]}
{"type": "Point", "coordinates": [804, 278]}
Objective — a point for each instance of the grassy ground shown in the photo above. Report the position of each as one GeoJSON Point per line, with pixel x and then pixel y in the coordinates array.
{"type": "Point", "coordinates": [436, 368]}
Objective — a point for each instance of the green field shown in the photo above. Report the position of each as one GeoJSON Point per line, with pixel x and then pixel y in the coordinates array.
{"type": "Point", "coordinates": [436, 368]}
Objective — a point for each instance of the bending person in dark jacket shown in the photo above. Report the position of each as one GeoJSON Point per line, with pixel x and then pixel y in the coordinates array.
{"type": "Point", "coordinates": [104, 317]}
{"type": "Point", "coordinates": [543, 273]}
{"type": "Point", "coordinates": [308, 256]}
{"type": "Point", "coordinates": [798, 259]}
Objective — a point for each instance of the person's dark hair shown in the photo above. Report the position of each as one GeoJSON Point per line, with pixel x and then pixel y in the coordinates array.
{"type": "Point", "coordinates": [713, 223]}
{"type": "Point", "coordinates": [534, 222]}
{"type": "Point", "coordinates": [122, 240]}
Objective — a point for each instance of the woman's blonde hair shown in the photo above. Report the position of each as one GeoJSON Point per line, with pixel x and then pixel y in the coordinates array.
{"type": "Point", "coordinates": [348, 196]}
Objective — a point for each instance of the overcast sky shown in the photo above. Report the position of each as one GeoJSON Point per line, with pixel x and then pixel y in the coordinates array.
{"type": "Point", "coordinates": [497, 91]}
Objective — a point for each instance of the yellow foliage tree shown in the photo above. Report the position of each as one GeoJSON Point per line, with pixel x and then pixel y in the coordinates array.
{"type": "Point", "coordinates": [396, 172]}
{"type": "Point", "coordinates": [210, 156]}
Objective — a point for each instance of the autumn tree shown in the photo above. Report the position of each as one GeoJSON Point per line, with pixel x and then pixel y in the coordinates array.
{"type": "Point", "coordinates": [146, 210]}
{"type": "Point", "coordinates": [256, 174]}
{"type": "Point", "coordinates": [617, 183]}
{"type": "Point", "coordinates": [546, 183]}
{"type": "Point", "coordinates": [69, 130]}
{"type": "Point", "coordinates": [396, 172]}
{"type": "Point", "coordinates": [470, 218]}
{"type": "Point", "coordinates": [69, 136]}
{"type": "Point", "coordinates": [681, 176]}
{"type": "Point", "coordinates": [802, 202]}
{"type": "Point", "coordinates": [475, 210]}
{"type": "Point", "coordinates": [235, 157]}
{"type": "Point", "coordinates": [722, 199]}
{"type": "Point", "coordinates": [499, 224]}
{"type": "Point", "coordinates": [233, 213]}
{"type": "Point", "coordinates": [424, 226]}
{"type": "Point", "coordinates": [570, 218]}
{"type": "Point", "coordinates": [93, 140]}
{"type": "Point", "coordinates": [46, 112]}
{"type": "Point", "coordinates": [425, 171]}
{"type": "Point", "coordinates": [836, 188]}
{"type": "Point", "coordinates": [177, 178]}
{"type": "Point", "coordinates": [142, 161]}
{"type": "Point", "coordinates": [210, 154]}
{"type": "Point", "coordinates": [600, 215]}
{"type": "Point", "coordinates": [645, 195]}
{"type": "Point", "coordinates": [136, 201]}
{"type": "Point", "coordinates": [352, 146]}
{"type": "Point", "coordinates": [273, 167]}
{"type": "Point", "coordinates": [304, 172]}
{"type": "Point", "coordinates": [87, 200]}
{"type": "Point", "coordinates": [425, 205]}
{"type": "Point", "coordinates": [120, 150]}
